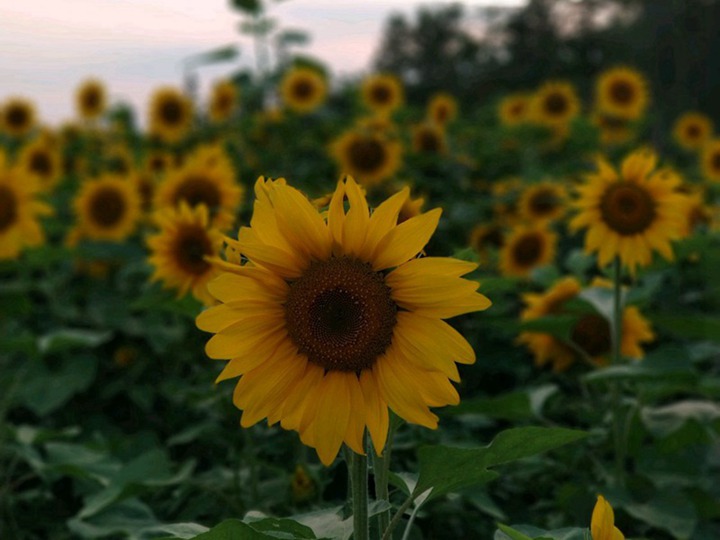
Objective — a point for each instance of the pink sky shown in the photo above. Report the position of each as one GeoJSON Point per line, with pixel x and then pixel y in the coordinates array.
{"type": "Point", "coordinates": [48, 46]}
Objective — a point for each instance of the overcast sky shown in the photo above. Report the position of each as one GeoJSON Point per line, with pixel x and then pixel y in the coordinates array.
{"type": "Point", "coordinates": [48, 46]}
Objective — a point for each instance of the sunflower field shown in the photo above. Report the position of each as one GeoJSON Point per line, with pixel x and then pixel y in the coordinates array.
{"type": "Point", "coordinates": [312, 307]}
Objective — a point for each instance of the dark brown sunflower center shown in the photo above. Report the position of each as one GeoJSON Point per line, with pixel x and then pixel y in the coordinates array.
{"type": "Point", "coordinates": [527, 251]}
{"type": "Point", "coordinates": [380, 94]}
{"type": "Point", "coordinates": [442, 113]}
{"type": "Point", "coordinates": [91, 99]}
{"type": "Point", "coordinates": [592, 334]}
{"type": "Point", "coordinates": [156, 164]}
{"type": "Point", "coordinates": [191, 247]}
{"type": "Point", "coordinates": [622, 92]}
{"type": "Point", "coordinates": [429, 142]}
{"type": "Point", "coordinates": [41, 164]}
{"type": "Point", "coordinates": [492, 237]}
{"type": "Point", "coordinates": [8, 207]}
{"type": "Point", "coordinates": [17, 116]}
{"type": "Point", "coordinates": [224, 102]}
{"type": "Point", "coordinates": [171, 112]}
{"type": "Point", "coordinates": [518, 109]}
{"type": "Point", "coordinates": [627, 208]}
{"type": "Point", "coordinates": [197, 190]}
{"type": "Point", "coordinates": [303, 89]}
{"type": "Point", "coordinates": [340, 314]}
{"type": "Point", "coordinates": [107, 207]}
{"type": "Point", "coordinates": [543, 202]}
{"type": "Point", "coordinates": [366, 154]}
{"type": "Point", "coordinates": [556, 104]}
{"type": "Point", "coordinates": [693, 131]}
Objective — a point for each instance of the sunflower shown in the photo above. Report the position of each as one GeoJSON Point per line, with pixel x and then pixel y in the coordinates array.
{"type": "Point", "coordinates": [514, 109]}
{"type": "Point", "coordinates": [145, 187]}
{"type": "Point", "coordinates": [692, 130]}
{"type": "Point", "coordinates": [429, 139]}
{"type": "Point", "coordinates": [710, 160]}
{"type": "Point", "coordinates": [207, 177]}
{"type": "Point", "coordinates": [527, 248]}
{"type": "Point", "coordinates": [91, 99]}
{"type": "Point", "coordinates": [41, 161]}
{"type": "Point", "coordinates": [181, 249]}
{"type": "Point", "coordinates": [602, 524]}
{"type": "Point", "coordinates": [544, 201]}
{"type": "Point", "coordinates": [107, 208]}
{"type": "Point", "coordinates": [485, 238]}
{"type": "Point", "coordinates": [17, 117]}
{"type": "Point", "coordinates": [368, 156]}
{"type": "Point", "coordinates": [613, 130]}
{"type": "Point", "coordinates": [170, 114]}
{"type": "Point", "coordinates": [303, 89]}
{"type": "Point", "coordinates": [697, 213]}
{"type": "Point", "coordinates": [590, 334]}
{"type": "Point", "coordinates": [622, 92]}
{"type": "Point", "coordinates": [119, 160]}
{"type": "Point", "coordinates": [156, 163]}
{"type": "Point", "coordinates": [382, 93]}
{"type": "Point", "coordinates": [555, 104]}
{"type": "Point", "coordinates": [19, 213]}
{"type": "Point", "coordinates": [223, 101]}
{"type": "Point", "coordinates": [631, 213]}
{"type": "Point", "coordinates": [334, 320]}
{"type": "Point", "coordinates": [442, 109]}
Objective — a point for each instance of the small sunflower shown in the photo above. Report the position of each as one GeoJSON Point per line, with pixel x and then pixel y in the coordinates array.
{"type": "Point", "coordinates": [157, 163]}
{"type": "Point", "coordinates": [303, 89]}
{"type": "Point", "coordinates": [697, 213]}
{"type": "Point", "coordinates": [602, 524]}
{"type": "Point", "coordinates": [429, 138]}
{"type": "Point", "coordinates": [692, 130]}
{"type": "Point", "coordinates": [181, 249]}
{"type": "Point", "coordinates": [17, 117]}
{"type": "Point", "coordinates": [485, 238]}
{"type": "Point", "coordinates": [542, 202]}
{"type": "Point", "coordinates": [514, 109]}
{"type": "Point", "coordinates": [223, 101]}
{"type": "Point", "coordinates": [710, 160]}
{"type": "Point", "coordinates": [368, 156]}
{"type": "Point", "coordinates": [630, 214]}
{"type": "Point", "coordinates": [382, 93]}
{"type": "Point", "coordinates": [334, 319]}
{"type": "Point", "coordinates": [170, 114]}
{"type": "Point", "coordinates": [442, 109]}
{"type": "Point", "coordinates": [20, 210]}
{"type": "Point", "coordinates": [91, 99]}
{"type": "Point", "coordinates": [527, 248]}
{"type": "Point", "coordinates": [107, 208]}
{"type": "Point", "coordinates": [41, 160]}
{"type": "Point", "coordinates": [206, 178]}
{"type": "Point", "coordinates": [555, 104]}
{"type": "Point", "coordinates": [613, 130]}
{"type": "Point", "coordinates": [622, 93]}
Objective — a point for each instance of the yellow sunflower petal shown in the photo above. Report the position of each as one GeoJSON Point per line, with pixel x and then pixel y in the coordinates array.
{"type": "Point", "coordinates": [406, 240]}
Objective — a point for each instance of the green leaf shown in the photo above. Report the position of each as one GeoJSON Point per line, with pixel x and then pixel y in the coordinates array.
{"type": "Point", "coordinates": [559, 326]}
{"type": "Point", "coordinates": [668, 363]}
{"type": "Point", "coordinates": [266, 529]}
{"type": "Point", "coordinates": [183, 531]}
{"type": "Point", "coordinates": [512, 534]}
{"type": "Point", "coordinates": [690, 326]}
{"type": "Point", "coordinates": [671, 511]}
{"type": "Point", "coordinates": [444, 469]}
{"type": "Point", "coordinates": [519, 405]}
{"type": "Point", "coordinates": [248, 6]}
{"type": "Point", "coordinates": [527, 532]}
{"type": "Point", "coordinates": [72, 338]}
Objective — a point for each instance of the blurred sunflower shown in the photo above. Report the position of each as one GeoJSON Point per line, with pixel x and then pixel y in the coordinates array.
{"type": "Point", "coordinates": [544, 201]}
{"type": "Point", "coordinates": [442, 109]}
{"type": "Point", "coordinates": [514, 109]}
{"type": "Point", "coordinates": [692, 130]}
{"type": "Point", "coordinates": [19, 213]}
{"type": "Point", "coordinates": [119, 160]}
{"type": "Point", "coordinates": [602, 524]}
{"type": "Point", "coordinates": [486, 237]}
{"type": "Point", "coordinates": [630, 214]}
{"type": "Point", "coordinates": [410, 208]}
{"type": "Point", "coordinates": [710, 160]}
{"type": "Point", "coordinates": [382, 93]}
{"type": "Point", "coordinates": [429, 138]}
{"type": "Point", "coordinates": [170, 114]}
{"type": "Point", "coordinates": [554, 104]}
{"type": "Point", "coordinates": [181, 249]}
{"type": "Point", "coordinates": [622, 92]}
{"type": "Point", "coordinates": [697, 213]}
{"type": "Point", "coordinates": [303, 89]}
{"type": "Point", "coordinates": [197, 182]}
{"type": "Point", "coordinates": [590, 333]}
{"type": "Point", "coordinates": [223, 101]}
{"type": "Point", "coordinates": [527, 248]}
{"type": "Point", "coordinates": [17, 117]}
{"type": "Point", "coordinates": [41, 160]}
{"type": "Point", "coordinates": [107, 208]}
{"type": "Point", "coordinates": [332, 322]}
{"type": "Point", "coordinates": [91, 99]}
{"type": "Point", "coordinates": [145, 187]}
{"type": "Point", "coordinates": [368, 156]}
{"type": "Point", "coordinates": [157, 163]}
{"type": "Point", "coordinates": [613, 130]}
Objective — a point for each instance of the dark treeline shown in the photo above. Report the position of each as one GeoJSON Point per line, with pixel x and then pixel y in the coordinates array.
{"type": "Point", "coordinates": [479, 53]}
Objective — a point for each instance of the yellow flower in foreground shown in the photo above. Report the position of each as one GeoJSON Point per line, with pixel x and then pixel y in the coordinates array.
{"type": "Point", "coordinates": [334, 319]}
{"type": "Point", "coordinates": [170, 114]}
{"type": "Point", "coordinates": [630, 214]}
{"type": "Point", "coordinates": [90, 99]}
{"type": "Point", "coordinates": [692, 130]}
{"type": "Point", "coordinates": [602, 524]}
{"type": "Point", "coordinates": [527, 248]}
{"type": "Point", "coordinates": [107, 208]}
{"type": "Point", "coordinates": [303, 89]}
{"type": "Point", "coordinates": [622, 93]}
{"type": "Point", "coordinates": [382, 93]}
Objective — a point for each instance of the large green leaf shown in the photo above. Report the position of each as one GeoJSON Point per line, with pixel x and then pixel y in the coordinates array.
{"type": "Point", "coordinates": [669, 363]}
{"type": "Point", "coordinates": [690, 326]}
{"type": "Point", "coordinates": [233, 529]}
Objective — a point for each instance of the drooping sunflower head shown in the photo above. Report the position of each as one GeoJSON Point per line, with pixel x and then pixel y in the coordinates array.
{"type": "Point", "coordinates": [334, 319]}
{"type": "Point", "coordinates": [692, 130]}
{"type": "Point", "coordinates": [543, 202]}
{"type": "Point", "coordinates": [555, 103]}
{"type": "Point", "coordinates": [41, 160]}
{"type": "Point", "coordinates": [630, 213]}
{"type": "Point", "coordinates": [710, 160]}
{"type": "Point", "coordinates": [17, 117]}
{"type": "Point", "coordinates": [622, 92]}
{"type": "Point", "coordinates": [20, 211]}
{"type": "Point", "coordinates": [382, 93]}
{"type": "Point", "coordinates": [303, 89]}
{"type": "Point", "coordinates": [91, 99]}
{"type": "Point", "coordinates": [514, 109]}
{"type": "Point", "coordinates": [368, 156]}
{"type": "Point", "coordinates": [428, 138]}
{"type": "Point", "coordinates": [107, 208]}
{"type": "Point", "coordinates": [170, 114]}
{"type": "Point", "coordinates": [442, 109]}
{"type": "Point", "coordinates": [223, 101]}
{"type": "Point", "coordinates": [527, 248]}
{"type": "Point", "coordinates": [181, 250]}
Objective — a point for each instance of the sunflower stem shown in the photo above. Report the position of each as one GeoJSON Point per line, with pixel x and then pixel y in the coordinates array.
{"type": "Point", "coordinates": [397, 518]}
{"type": "Point", "coordinates": [381, 470]}
{"type": "Point", "coordinates": [617, 420]}
{"type": "Point", "coordinates": [358, 469]}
